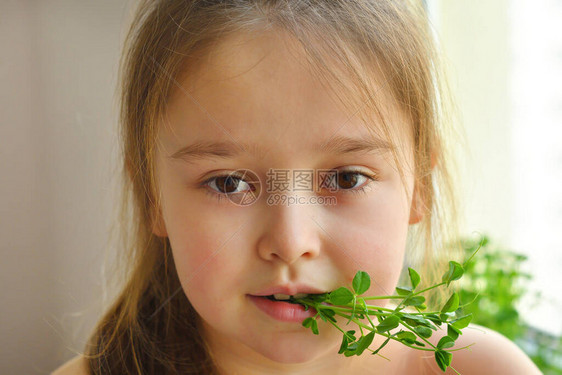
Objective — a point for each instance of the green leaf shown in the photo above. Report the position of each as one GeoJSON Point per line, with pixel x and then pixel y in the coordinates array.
{"type": "Point", "coordinates": [341, 296]}
{"type": "Point", "coordinates": [414, 277]}
{"type": "Point", "coordinates": [351, 349]}
{"type": "Point", "coordinates": [390, 322]}
{"type": "Point", "coordinates": [455, 272]}
{"type": "Point", "coordinates": [406, 337]}
{"type": "Point", "coordinates": [318, 297]}
{"type": "Point", "coordinates": [343, 345]}
{"type": "Point", "coordinates": [415, 320]}
{"type": "Point", "coordinates": [403, 290]}
{"type": "Point", "coordinates": [414, 301]}
{"type": "Point", "coordinates": [345, 341]}
{"type": "Point", "coordinates": [382, 346]}
{"type": "Point", "coordinates": [350, 335]}
{"type": "Point", "coordinates": [361, 282]}
{"type": "Point", "coordinates": [364, 342]}
{"type": "Point", "coordinates": [312, 324]}
{"type": "Point", "coordinates": [462, 322]}
{"type": "Point", "coordinates": [307, 322]}
{"type": "Point", "coordinates": [327, 314]}
{"type": "Point", "coordinates": [452, 304]}
{"type": "Point", "coordinates": [423, 331]}
{"type": "Point", "coordinates": [453, 332]}
{"type": "Point", "coordinates": [443, 359]}
{"type": "Point", "coordinates": [445, 342]}
{"type": "Point", "coordinates": [314, 327]}
{"type": "Point", "coordinates": [434, 318]}
{"type": "Point", "coordinates": [446, 316]}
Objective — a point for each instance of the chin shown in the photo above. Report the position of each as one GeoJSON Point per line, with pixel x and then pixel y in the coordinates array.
{"type": "Point", "coordinates": [290, 356]}
{"type": "Point", "coordinates": [293, 351]}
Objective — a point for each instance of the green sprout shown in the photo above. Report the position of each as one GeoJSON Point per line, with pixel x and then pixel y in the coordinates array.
{"type": "Point", "coordinates": [412, 329]}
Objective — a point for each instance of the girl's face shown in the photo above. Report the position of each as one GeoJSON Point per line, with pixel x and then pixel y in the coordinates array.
{"type": "Point", "coordinates": [256, 99]}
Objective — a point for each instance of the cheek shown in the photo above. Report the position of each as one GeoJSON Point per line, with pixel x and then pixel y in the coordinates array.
{"type": "Point", "coordinates": [196, 233]}
{"type": "Point", "coordinates": [202, 246]}
{"type": "Point", "coordinates": [373, 236]}
{"type": "Point", "coordinates": [203, 264]}
{"type": "Point", "coordinates": [205, 243]}
{"type": "Point", "coordinates": [201, 253]}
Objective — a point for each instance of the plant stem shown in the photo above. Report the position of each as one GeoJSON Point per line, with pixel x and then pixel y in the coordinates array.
{"type": "Point", "coordinates": [382, 297]}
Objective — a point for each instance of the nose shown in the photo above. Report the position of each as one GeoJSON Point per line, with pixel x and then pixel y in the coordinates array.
{"type": "Point", "coordinates": [290, 234]}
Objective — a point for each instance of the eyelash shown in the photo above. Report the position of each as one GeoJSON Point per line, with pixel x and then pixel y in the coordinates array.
{"type": "Point", "coordinates": [361, 190]}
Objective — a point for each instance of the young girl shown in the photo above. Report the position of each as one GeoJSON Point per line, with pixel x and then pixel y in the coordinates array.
{"type": "Point", "coordinates": [226, 104]}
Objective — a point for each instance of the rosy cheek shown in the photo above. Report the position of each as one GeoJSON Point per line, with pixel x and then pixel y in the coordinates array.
{"type": "Point", "coordinates": [194, 260]}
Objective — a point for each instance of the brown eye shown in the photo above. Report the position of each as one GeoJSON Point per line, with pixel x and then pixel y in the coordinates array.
{"type": "Point", "coordinates": [347, 180]}
{"type": "Point", "coordinates": [228, 184]}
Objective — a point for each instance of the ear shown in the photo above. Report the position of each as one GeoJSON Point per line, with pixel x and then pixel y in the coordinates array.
{"type": "Point", "coordinates": [158, 226]}
{"type": "Point", "coordinates": [416, 208]}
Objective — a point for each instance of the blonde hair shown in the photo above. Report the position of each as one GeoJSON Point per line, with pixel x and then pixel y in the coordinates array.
{"type": "Point", "coordinates": [150, 327]}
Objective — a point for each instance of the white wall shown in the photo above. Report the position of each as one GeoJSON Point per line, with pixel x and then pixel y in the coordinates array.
{"type": "Point", "coordinates": [58, 67]}
{"type": "Point", "coordinates": [506, 71]}
{"type": "Point", "coordinates": [537, 150]}
{"type": "Point", "coordinates": [474, 36]}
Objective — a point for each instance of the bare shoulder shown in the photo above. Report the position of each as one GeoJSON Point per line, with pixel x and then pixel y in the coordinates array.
{"type": "Point", "coordinates": [76, 366]}
{"type": "Point", "coordinates": [489, 353]}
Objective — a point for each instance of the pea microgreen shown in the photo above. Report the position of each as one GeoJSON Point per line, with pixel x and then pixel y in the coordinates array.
{"type": "Point", "coordinates": [407, 323]}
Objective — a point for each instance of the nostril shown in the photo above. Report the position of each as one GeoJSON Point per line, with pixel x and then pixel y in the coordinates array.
{"type": "Point", "coordinates": [287, 247]}
{"type": "Point", "coordinates": [292, 256]}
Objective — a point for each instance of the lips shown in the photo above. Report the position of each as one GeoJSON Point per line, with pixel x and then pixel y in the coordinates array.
{"type": "Point", "coordinates": [289, 289]}
{"type": "Point", "coordinates": [270, 301]}
{"type": "Point", "coordinates": [280, 296]}
{"type": "Point", "coordinates": [280, 310]}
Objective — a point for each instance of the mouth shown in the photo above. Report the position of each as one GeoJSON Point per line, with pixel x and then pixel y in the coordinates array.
{"type": "Point", "coordinates": [283, 307]}
{"type": "Point", "coordinates": [297, 298]}
{"type": "Point", "coordinates": [286, 297]}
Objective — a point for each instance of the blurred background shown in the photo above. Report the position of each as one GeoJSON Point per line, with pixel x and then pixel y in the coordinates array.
{"type": "Point", "coordinates": [58, 162]}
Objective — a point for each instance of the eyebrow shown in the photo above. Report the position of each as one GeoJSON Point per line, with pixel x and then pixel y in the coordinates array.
{"type": "Point", "coordinates": [227, 149]}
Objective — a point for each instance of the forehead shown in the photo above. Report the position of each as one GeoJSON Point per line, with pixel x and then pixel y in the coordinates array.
{"type": "Point", "coordinates": [258, 87]}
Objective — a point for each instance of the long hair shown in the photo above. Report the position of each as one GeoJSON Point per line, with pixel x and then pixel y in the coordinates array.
{"type": "Point", "coordinates": [151, 327]}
